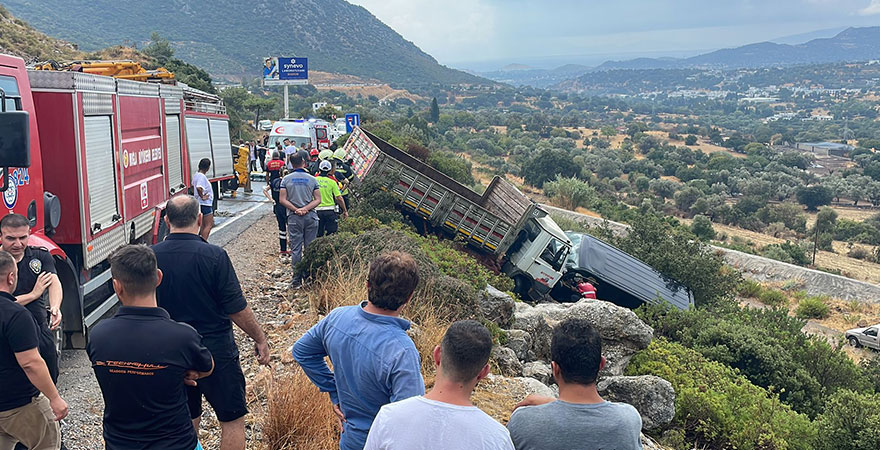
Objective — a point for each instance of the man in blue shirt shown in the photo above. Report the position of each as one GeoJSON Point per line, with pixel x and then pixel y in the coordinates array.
{"type": "Point", "coordinates": [374, 361]}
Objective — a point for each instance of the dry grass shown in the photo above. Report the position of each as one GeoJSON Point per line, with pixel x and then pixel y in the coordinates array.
{"type": "Point", "coordinates": [298, 415]}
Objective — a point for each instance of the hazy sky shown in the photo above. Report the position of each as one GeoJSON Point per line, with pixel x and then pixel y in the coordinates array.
{"type": "Point", "coordinates": [464, 33]}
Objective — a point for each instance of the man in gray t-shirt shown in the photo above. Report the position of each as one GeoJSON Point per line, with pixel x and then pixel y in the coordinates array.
{"type": "Point", "coordinates": [580, 419]}
{"type": "Point", "coordinates": [300, 195]}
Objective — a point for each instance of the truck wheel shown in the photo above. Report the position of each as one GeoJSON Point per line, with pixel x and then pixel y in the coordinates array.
{"type": "Point", "coordinates": [854, 342]}
{"type": "Point", "coordinates": [521, 288]}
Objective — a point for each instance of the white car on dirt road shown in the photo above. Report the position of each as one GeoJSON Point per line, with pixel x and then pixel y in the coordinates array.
{"type": "Point", "coordinates": [864, 337]}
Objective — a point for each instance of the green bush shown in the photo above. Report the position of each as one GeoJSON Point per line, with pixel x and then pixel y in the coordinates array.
{"type": "Point", "coordinates": [715, 407]}
{"type": "Point", "coordinates": [787, 251]}
{"type": "Point", "coordinates": [813, 307]}
{"type": "Point", "coordinates": [851, 421]}
{"type": "Point", "coordinates": [702, 228]}
{"type": "Point", "coordinates": [749, 288]}
{"type": "Point", "coordinates": [569, 193]}
{"type": "Point", "coordinates": [458, 264]}
{"type": "Point", "coordinates": [772, 297]}
{"type": "Point", "coordinates": [766, 346]}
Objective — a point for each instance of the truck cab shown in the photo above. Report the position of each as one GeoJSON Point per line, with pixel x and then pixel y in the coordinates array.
{"type": "Point", "coordinates": [539, 254]}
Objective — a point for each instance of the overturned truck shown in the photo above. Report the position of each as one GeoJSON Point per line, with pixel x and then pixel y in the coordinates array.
{"type": "Point", "coordinates": [502, 224]}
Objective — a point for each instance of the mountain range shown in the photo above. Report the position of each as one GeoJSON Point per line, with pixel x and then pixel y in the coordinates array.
{"type": "Point", "coordinates": [229, 38]}
{"type": "Point", "coordinates": [851, 44]}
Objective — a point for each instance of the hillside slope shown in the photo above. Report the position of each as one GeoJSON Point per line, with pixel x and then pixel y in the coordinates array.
{"type": "Point", "coordinates": [230, 37]}
{"type": "Point", "coordinates": [20, 39]}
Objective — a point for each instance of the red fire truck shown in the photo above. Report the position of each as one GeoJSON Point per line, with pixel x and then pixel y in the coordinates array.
{"type": "Point", "coordinates": [91, 161]}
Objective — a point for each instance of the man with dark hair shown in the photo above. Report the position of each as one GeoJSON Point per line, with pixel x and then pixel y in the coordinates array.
{"type": "Point", "coordinates": [142, 358]}
{"type": "Point", "coordinates": [374, 361]}
{"type": "Point", "coordinates": [580, 418]}
{"type": "Point", "coordinates": [205, 193]}
{"type": "Point", "coordinates": [461, 360]}
{"type": "Point", "coordinates": [37, 279]}
{"type": "Point", "coordinates": [25, 415]}
{"type": "Point", "coordinates": [200, 288]}
{"type": "Point", "coordinates": [300, 194]}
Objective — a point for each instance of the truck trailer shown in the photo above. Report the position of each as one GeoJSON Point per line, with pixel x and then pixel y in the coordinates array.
{"type": "Point", "coordinates": [91, 161]}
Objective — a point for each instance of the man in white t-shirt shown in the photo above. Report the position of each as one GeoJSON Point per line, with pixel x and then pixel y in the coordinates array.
{"type": "Point", "coordinates": [205, 195]}
{"type": "Point", "coordinates": [445, 417]}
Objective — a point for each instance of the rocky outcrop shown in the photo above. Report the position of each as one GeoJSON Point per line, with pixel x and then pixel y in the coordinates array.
{"type": "Point", "coordinates": [538, 370]}
{"type": "Point", "coordinates": [505, 362]}
{"type": "Point", "coordinates": [496, 306]}
{"type": "Point", "coordinates": [623, 333]}
{"type": "Point", "coordinates": [520, 342]}
{"type": "Point", "coordinates": [652, 396]}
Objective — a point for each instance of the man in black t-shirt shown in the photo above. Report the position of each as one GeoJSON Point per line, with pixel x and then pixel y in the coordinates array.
{"type": "Point", "coordinates": [199, 287]}
{"type": "Point", "coordinates": [37, 279]}
{"type": "Point", "coordinates": [25, 415]}
{"type": "Point", "coordinates": [141, 359]}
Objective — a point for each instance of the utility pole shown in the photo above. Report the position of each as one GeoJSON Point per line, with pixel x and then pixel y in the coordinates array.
{"type": "Point", "coordinates": [816, 240]}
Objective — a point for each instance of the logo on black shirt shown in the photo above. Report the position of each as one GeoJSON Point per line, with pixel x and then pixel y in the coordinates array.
{"type": "Point", "coordinates": [36, 265]}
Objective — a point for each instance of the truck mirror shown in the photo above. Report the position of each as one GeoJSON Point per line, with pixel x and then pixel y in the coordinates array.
{"type": "Point", "coordinates": [15, 139]}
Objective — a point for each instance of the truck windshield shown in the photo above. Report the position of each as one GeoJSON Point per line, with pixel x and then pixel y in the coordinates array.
{"type": "Point", "coordinates": [10, 87]}
{"type": "Point", "coordinates": [555, 254]}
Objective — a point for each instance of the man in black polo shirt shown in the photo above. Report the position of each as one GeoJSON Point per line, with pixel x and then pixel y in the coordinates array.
{"type": "Point", "coordinates": [37, 278]}
{"type": "Point", "coordinates": [200, 288]}
{"type": "Point", "coordinates": [140, 357]}
{"type": "Point", "coordinates": [25, 415]}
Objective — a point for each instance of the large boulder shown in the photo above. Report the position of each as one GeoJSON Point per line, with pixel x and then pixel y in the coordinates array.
{"type": "Point", "coordinates": [538, 370]}
{"type": "Point", "coordinates": [623, 333]}
{"type": "Point", "coordinates": [530, 385]}
{"type": "Point", "coordinates": [520, 342]}
{"type": "Point", "coordinates": [536, 320]}
{"type": "Point", "coordinates": [505, 362]}
{"type": "Point", "coordinates": [652, 396]}
{"type": "Point", "coordinates": [496, 306]}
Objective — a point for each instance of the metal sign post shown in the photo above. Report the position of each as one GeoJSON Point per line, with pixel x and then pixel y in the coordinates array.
{"type": "Point", "coordinates": [286, 102]}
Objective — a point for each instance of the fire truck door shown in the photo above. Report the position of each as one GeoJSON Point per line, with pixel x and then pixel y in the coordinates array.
{"type": "Point", "coordinates": [175, 168]}
{"type": "Point", "coordinates": [100, 172]}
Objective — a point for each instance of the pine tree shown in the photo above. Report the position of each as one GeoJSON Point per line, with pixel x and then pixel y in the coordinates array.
{"type": "Point", "coordinates": [435, 110]}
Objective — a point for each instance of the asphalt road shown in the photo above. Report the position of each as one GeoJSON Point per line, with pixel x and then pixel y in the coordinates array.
{"type": "Point", "coordinates": [77, 384]}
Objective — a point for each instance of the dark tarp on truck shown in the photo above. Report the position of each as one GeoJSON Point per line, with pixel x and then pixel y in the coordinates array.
{"type": "Point", "coordinates": [622, 278]}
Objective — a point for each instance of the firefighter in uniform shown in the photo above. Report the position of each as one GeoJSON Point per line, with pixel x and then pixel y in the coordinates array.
{"type": "Point", "coordinates": [328, 219]}
{"type": "Point", "coordinates": [37, 279]}
{"type": "Point", "coordinates": [343, 174]}
{"type": "Point", "coordinates": [275, 167]}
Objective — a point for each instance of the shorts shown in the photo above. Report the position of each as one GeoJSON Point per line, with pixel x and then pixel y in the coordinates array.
{"type": "Point", "coordinates": [206, 210]}
{"type": "Point", "coordinates": [224, 388]}
{"type": "Point", "coordinates": [33, 425]}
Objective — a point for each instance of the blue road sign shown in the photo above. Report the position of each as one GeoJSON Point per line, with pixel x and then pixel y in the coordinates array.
{"type": "Point", "coordinates": [293, 68]}
{"type": "Point", "coordinates": [351, 121]}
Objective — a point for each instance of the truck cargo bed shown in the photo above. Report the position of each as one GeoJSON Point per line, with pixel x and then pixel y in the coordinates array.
{"type": "Point", "coordinates": [488, 222]}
